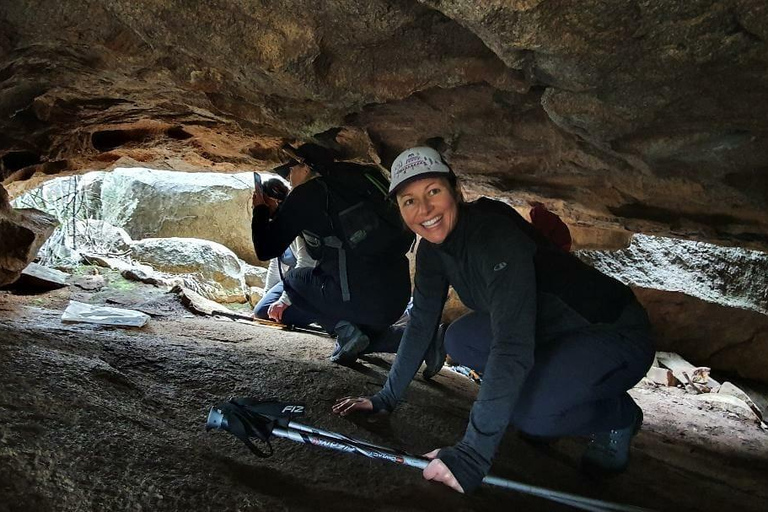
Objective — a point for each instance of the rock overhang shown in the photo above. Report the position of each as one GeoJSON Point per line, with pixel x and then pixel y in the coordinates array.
{"type": "Point", "coordinates": [643, 117]}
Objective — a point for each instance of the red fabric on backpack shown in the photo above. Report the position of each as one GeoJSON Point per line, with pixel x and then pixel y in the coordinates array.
{"type": "Point", "coordinates": [551, 226]}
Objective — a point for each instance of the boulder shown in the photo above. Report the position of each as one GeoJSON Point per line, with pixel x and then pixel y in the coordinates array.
{"type": "Point", "coordinates": [255, 276]}
{"type": "Point", "coordinates": [721, 275]}
{"type": "Point", "coordinates": [707, 303]}
{"type": "Point", "coordinates": [40, 277]}
{"type": "Point", "coordinates": [216, 270]}
{"type": "Point", "coordinates": [255, 294]}
{"type": "Point", "coordinates": [165, 204]}
{"type": "Point", "coordinates": [23, 232]}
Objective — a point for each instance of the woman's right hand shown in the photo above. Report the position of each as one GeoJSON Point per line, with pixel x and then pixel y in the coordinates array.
{"type": "Point", "coordinates": [350, 404]}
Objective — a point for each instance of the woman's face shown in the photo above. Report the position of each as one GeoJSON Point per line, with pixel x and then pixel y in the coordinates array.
{"type": "Point", "coordinates": [299, 174]}
{"type": "Point", "coordinates": [429, 208]}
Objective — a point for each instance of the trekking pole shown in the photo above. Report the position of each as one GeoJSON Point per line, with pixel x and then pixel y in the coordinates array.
{"type": "Point", "coordinates": [331, 440]}
{"type": "Point", "coordinates": [247, 418]}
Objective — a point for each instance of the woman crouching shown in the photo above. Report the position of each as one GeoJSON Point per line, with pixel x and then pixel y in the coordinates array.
{"type": "Point", "coordinates": [558, 343]}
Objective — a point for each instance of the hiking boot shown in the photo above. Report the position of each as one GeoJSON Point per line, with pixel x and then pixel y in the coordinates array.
{"type": "Point", "coordinates": [435, 356]}
{"type": "Point", "coordinates": [350, 342]}
{"type": "Point", "coordinates": [608, 452]}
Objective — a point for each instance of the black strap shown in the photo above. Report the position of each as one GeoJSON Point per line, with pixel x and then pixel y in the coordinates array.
{"type": "Point", "coordinates": [246, 425]}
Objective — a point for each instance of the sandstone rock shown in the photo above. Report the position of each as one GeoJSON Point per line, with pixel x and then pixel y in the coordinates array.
{"type": "Point", "coordinates": [198, 303]}
{"type": "Point", "coordinates": [22, 232]}
{"type": "Point", "coordinates": [137, 274]}
{"type": "Point", "coordinates": [216, 269]}
{"type": "Point", "coordinates": [707, 303]}
{"type": "Point", "coordinates": [255, 276]}
{"type": "Point", "coordinates": [720, 337]}
{"type": "Point", "coordinates": [89, 283]}
{"type": "Point", "coordinates": [661, 376]}
{"type": "Point", "coordinates": [644, 117]}
{"type": "Point", "coordinates": [255, 293]}
{"type": "Point", "coordinates": [729, 276]}
{"type": "Point", "coordinates": [729, 388]}
{"type": "Point", "coordinates": [4, 199]}
{"type": "Point", "coordinates": [41, 277]}
{"type": "Point", "coordinates": [729, 404]}
{"type": "Point", "coordinates": [162, 204]}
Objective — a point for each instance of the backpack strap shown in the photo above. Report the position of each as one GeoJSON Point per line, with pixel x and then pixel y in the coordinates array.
{"type": "Point", "coordinates": [334, 242]}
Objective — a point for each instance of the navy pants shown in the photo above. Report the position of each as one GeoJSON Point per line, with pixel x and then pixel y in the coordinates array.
{"type": "Point", "coordinates": [293, 315]}
{"type": "Point", "coordinates": [580, 377]}
{"type": "Point", "coordinates": [319, 296]}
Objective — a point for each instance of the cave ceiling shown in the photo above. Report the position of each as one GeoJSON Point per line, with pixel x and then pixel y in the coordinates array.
{"type": "Point", "coordinates": [640, 116]}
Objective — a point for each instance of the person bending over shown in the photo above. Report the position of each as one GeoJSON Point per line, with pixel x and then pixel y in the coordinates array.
{"type": "Point", "coordinates": [361, 283]}
{"type": "Point", "coordinates": [275, 302]}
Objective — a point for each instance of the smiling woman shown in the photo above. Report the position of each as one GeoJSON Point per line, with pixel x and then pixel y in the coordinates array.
{"type": "Point", "coordinates": [558, 343]}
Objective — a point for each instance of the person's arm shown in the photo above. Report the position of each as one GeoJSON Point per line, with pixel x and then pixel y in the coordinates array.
{"type": "Point", "coordinates": [303, 259]}
{"type": "Point", "coordinates": [505, 268]}
{"type": "Point", "coordinates": [299, 248]}
{"type": "Point", "coordinates": [273, 275]}
{"type": "Point", "coordinates": [429, 295]}
{"type": "Point", "coordinates": [272, 236]}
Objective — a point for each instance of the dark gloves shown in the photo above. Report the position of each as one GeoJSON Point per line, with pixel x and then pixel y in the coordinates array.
{"type": "Point", "coordinates": [466, 464]}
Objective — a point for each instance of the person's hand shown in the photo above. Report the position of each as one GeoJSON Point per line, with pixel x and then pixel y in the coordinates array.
{"type": "Point", "coordinates": [276, 310]}
{"type": "Point", "coordinates": [437, 470]}
{"type": "Point", "coordinates": [271, 203]}
{"type": "Point", "coordinates": [350, 404]}
{"type": "Point", "coordinates": [258, 197]}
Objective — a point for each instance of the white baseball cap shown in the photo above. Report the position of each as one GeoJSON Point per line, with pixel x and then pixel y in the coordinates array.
{"type": "Point", "coordinates": [414, 163]}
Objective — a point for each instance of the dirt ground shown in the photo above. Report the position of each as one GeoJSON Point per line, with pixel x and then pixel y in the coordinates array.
{"type": "Point", "coordinates": [101, 418]}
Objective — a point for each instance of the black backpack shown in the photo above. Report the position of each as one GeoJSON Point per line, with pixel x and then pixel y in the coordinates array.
{"type": "Point", "coordinates": [365, 222]}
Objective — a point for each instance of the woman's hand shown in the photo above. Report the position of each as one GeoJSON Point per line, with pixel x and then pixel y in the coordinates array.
{"type": "Point", "coordinates": [276, 310]}
{"type": "Point", "coordinates": [436, 470]}
{"type": "Point", "coordinates": [272, 204]}
{"type": "Point", "coordinates": [258, 197]}
{"type": "Point", "coordinates": [349, 404]}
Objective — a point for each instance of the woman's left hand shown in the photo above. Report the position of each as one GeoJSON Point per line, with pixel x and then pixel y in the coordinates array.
{"type": "Point", "coordinates": [437, 470]}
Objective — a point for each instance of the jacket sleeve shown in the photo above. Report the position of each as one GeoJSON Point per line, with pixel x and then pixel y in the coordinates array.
{"type": "Point", "coordinates": [273, 274]}
{"type": "Point", "coordinates": [271, 237]}
{"type": "Point", "coordinates": [303, 259]}
{"type": "Point", "coordinates": [505, 269]}
{"type": "Point", "coordinates": [429, 295]}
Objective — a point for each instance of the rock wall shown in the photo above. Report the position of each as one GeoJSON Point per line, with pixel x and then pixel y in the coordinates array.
{"type": "Point", "coordinates": [708, 334]}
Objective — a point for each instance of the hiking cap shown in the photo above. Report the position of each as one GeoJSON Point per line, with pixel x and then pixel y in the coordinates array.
{"type": "Point", "coordinates": [416, 163]}
{"type": "Point", "coordinates": [284, 171]}
{"type": "Point", "coordinates": [315, 156]}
